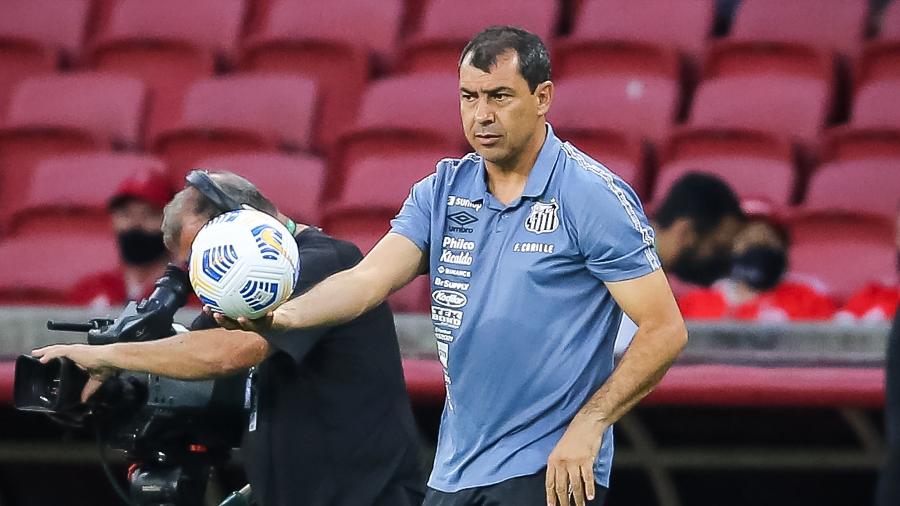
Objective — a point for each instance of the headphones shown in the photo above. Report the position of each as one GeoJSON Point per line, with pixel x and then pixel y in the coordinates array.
{"type": "Point", "coordinates": [200, 180]}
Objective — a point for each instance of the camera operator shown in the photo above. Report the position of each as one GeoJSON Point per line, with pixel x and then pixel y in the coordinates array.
{"type": "Point", "coordinates": [330, 421]}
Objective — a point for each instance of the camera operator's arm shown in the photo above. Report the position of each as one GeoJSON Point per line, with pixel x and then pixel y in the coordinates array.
{"type": "Point", "coordinates": [391, 264]}
{"type": "Point", "coordinates": [194, 355]}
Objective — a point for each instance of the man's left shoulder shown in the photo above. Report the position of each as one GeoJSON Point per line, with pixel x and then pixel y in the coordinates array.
{"type": "Point", "coordinates": [587, 182]}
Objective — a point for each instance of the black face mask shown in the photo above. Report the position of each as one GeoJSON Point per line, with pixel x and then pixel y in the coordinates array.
{"type": "Point", "coordinates": [139, 247]}
{"type": "Point", "coordinates": [759, 267]}
{"type": "Point", "coordinates": [702, 271]}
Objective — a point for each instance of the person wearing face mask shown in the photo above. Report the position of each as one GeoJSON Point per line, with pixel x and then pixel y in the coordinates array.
{"type": "Point", "coordinates": [755, 288]}
{"type": "Point", "coordinates": [136, 211]}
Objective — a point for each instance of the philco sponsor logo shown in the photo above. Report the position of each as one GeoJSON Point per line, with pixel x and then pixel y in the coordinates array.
{"type": "Point", "coordinates": [464, 258]}
{"type": "Point", "coordinates": [458, 243]}
{"type": "Point", "coordinates": [449, 298]}
{"type": "Point", "coordinates": [448, 317]}
{"type": "Point", "coordinates": [533, 247]}
{"type": "Point", "coordinates": [451, 285]}
{"type": "Point", "coordinates": [453, 272]}
{"type": "Point", "coordinates": [543, 218]}
{"type": "Point", "coordinates": [461, 202]}
{"type": "Point", "coordinates": [461, 219]}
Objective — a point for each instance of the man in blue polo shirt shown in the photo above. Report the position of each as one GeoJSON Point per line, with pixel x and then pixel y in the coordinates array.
{"type": "Point", "coordinates": [534, 251]}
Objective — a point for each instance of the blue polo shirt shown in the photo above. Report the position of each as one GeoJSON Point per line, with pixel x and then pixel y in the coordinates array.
{"type": "Point", "coordinates": [523, 322]}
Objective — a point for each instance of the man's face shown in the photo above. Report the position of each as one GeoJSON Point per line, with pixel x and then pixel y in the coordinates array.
{"type": "Point", "coordinates": [136, 214]}
{"type": "Point", "coordinates": [190, 226]}
{"type": "Point", "coordinates": [500, 115]}
{"type": "Point", "coordinates": [707, 258]}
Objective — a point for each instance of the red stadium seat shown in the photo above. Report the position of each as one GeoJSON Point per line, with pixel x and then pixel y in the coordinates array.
{"type": "Point", "coordinates": [795, 107]}
{"type": "Point", "coordinates": [575, 57]}
{"type": "Point", "coordinates": [849, 143]}
{"type": "Point", "coordinates": [169, 44]}
{"type": "Point", "coordinates": [36, 36]}
{"type": "Point", "coordinates": [834, 26]}
{"type": "Point", "coordinates": [881, 57]}
{"type": "Point", "coordinates": [40, 267]}
{"type": "Point", "coordinates": [449, 24]}
{"type": "Point", "coordinates": [330, 42]}
{"type": "Point", "coordinates": [869, 186]}
{"type": "Point", "coordinates": [53, 202]}
{"type": "Point", "coordinates": [383, 182]}
{"type": "Point", "coordinates": [755, 164]}
{"type": "Point", "coordinates": [237, 115]}
{"type": "Point", "coordinates": [294, 183]}
{"type": "Point", "coordinates": [876, 105]}
{"type": "Point", "coordinates": [642, 107]}
{"type": "Point", "coordinates": [405, 114]}
{"type": "Point", "coordinates": [684, 26]}
{"type": "Point", "coordinates": [843, 252]}
{"type": "Point", "coordinates": [412, 298]}
{"type": "Point", "coordinates": [66, 114]}
{"type": "Point", "coordinates": [729, 58]}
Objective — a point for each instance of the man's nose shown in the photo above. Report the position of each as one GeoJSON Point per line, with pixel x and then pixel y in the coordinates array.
{"type": "Point", "coordinates": [484, 114]}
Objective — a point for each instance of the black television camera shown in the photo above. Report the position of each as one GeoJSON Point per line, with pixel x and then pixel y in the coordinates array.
{"type": "Point", "coordinates": [173, 432]}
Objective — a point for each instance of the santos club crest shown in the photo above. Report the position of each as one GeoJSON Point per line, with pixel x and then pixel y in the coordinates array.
{"type": "Point", "coordinates": [544, 218]}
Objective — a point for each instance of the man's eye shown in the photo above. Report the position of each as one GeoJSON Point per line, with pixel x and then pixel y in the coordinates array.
{"type": "Point", "coordinates": [468, 98]}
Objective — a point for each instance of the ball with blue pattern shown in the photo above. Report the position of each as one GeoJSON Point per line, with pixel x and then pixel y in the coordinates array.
{"type": "Point", "coordinates": [244, 263]}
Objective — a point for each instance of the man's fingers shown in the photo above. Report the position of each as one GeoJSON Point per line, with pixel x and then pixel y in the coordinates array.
{"type": "Point", "coordinates": [225, 322]}
{"type": "Point", "coordinates": [576, 485]}
{"type": "Point", "coordinates": [90, 388]}
{"type": "Point", "coordinates": [550, 485]}
{"type": "Point", "coordinates": [562, 486]}
{"type": "Point", "coordinates": [587, 475]}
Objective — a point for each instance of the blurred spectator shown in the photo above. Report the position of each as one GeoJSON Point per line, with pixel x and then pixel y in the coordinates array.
{"type": "Point", "coordinates": [696, 224]}
{"type": "Point", "coordinates": [876, 301]}
{"type": "Point", "coordinates": [755, 289]}
{"type": "Point", "coordinates": [136, 212]}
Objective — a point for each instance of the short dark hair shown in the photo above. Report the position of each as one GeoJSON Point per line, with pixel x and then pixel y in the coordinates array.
{"type": "Point", "coordinates": [493, 42]}
{"type": "Point", "coordinates": [703, 198]}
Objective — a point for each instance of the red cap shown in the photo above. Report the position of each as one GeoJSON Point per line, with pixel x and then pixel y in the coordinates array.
{"type": "Point", "coordinates": [148, 185]}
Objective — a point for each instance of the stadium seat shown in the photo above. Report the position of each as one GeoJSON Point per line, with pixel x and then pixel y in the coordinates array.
{"type": "Point", "coordinates": [755, 164]}
{"type": "Point", "coordinates": [684, 26]}
{"type": "Point", "coordinates": [449, 24]}
{"type": "Point", "coordinates": [36, 37]}
{"type": "Point", "coordinates": [65, 114]}
{"type": "Point", "coordinates": [331, 43]}
{"type": "Point", "coordinates": [294, 183]}
{"type": "Point", "coordinates": [881, 56]}
{"type": "Point", "coordinates": [842, 251]}
{"type": "Point", "coordinates": [53, 202]}
{"type": "Point", "coordinates": [795, 107]}
{"type": "Point", "coordinates": [832, 26]}
{"type": "Point", "coordinates": [869, 186]}
{"type": "Point", "coordinates": [573, 57]}
{"type": "Point", "coordinates": [168, 44]}
{"type": "Point", "coordinates": [405, 114]}
{"type": "Point", "coordinates": [239, 114]}
{"type": "Point", "coordinates": [41, 266]}
{"type": "Point", "coordinates": [729, 58]}
{"type": "Point", "coordinates": [876, 105]}
{"type": "Point", "coordinates": [412, 298]}
{"type": "Point", "coordinates": [383, 182]}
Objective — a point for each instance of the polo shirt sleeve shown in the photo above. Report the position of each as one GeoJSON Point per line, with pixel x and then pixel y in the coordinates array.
{"type": "Point", "coordinates": [414, 219]}
{"type": "Point", "coordinates": [613, 233]}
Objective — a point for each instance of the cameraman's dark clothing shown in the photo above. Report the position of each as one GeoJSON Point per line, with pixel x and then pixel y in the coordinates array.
{"type": "Point", "coordinates": [334, 424]}
{"type": "Point", "coordinates": [888, 492]}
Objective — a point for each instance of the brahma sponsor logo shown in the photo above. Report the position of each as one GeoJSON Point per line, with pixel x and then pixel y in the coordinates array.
{"type": "Point", "coordinates": [464, 258]}
{"type": "Point", "coordinates": [449, 298]}
{"type": "Point", "coordinates": [452, 285]}
{"type": "Point", "coordinates": [461, 202]}
{"type": "Point", "coordinates": [448, 317]}
{"type": "Point", "coordinates": [458, 243]}
{"type": "Point", "coordinates": [454, 272]}
{"type": "Point", "coordinates": [533, 247]}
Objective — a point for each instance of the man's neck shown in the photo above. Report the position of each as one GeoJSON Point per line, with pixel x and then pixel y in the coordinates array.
{"type": "Point", "coordinates": [506, 181]}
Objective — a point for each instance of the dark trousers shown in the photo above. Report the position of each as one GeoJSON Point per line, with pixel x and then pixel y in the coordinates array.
{"type": "Point", "coordinates": [522, 491]}
{"type": "Point", "coordinates": [888, 493]}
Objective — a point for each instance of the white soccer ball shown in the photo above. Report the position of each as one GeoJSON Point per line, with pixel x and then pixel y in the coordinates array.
{"type": "Point", "coordinates": [244, 263]}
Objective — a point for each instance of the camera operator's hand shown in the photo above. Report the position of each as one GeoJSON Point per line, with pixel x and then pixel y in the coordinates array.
{"type": "Point", "coordinates": [86, 356]}
{"type": "Point", "coordinates": [260, 325]}
{"type": "Point", "coordinates": [95, 382]}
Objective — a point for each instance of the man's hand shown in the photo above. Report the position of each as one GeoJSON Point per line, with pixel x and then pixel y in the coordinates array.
{"type": "Point", "coordinates": [86, 356]}
{"type": "Point", "coordinates": [265, 324]}
{"type": "Point", "coordinates": [94, 383]}
{"type": "Point", "coordinates": [570, 468]}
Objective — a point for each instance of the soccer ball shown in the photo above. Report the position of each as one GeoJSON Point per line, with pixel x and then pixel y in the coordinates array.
{"type": "Point", "coordinates": [244, 263]}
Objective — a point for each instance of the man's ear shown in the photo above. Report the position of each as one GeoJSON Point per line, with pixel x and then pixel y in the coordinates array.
{"type": "Point", "coordinates": [544, 95]}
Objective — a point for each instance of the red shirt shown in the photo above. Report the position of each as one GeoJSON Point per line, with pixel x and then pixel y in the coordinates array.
{"type": "Point", "coordinates": [874, 301]}
{"type": "Point", "coordinates": [105, 289]}
{"type": "Point", "coordinates": [788, 301]}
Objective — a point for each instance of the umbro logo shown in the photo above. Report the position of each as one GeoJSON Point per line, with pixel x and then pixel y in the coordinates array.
{"type": "Point", "coordinates": [463, 218]}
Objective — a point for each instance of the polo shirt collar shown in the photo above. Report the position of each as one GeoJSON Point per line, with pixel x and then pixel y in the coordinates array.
{"type": "Point", "coordinates": [540, 173]}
